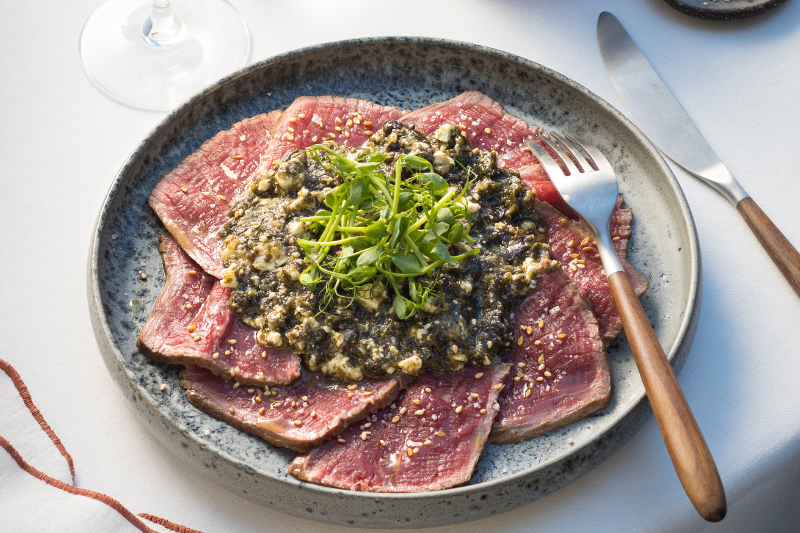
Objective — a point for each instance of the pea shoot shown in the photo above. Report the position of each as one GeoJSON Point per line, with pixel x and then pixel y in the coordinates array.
{"type": "Point", "coordinates": [383, 232]}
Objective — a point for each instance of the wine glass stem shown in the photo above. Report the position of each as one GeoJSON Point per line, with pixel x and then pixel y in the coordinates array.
{"type": "Point", "coordinates": [161, 27]}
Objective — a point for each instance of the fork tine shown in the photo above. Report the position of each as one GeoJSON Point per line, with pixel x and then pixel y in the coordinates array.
{"type": "Point", "coordinates": [564, 157]}
{"type": "Point", "coordinates": [576, 155]}
{"type": "Point", "coordinates": [596, 157]}
{"type": "Point", "coordinates": [550, 165]}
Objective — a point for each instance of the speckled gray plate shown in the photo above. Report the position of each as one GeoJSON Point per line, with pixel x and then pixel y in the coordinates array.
{"type": "Point", "coordinates": [408, 73]}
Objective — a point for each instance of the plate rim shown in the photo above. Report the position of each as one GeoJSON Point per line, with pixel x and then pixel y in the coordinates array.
{"type": "Point", "coordinates": [103, 332]}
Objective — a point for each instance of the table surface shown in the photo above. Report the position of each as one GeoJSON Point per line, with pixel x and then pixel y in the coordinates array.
{"type": "Point", "coordinates": [63, 142]}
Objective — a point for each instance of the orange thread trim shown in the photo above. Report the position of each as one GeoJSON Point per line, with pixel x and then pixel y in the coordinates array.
{"type": "Point", "coordinates": [167, 524]}
{"type": "Point", "coordinates": [111, 502]}
{"type": "Point", "coordinates": [26, 398]}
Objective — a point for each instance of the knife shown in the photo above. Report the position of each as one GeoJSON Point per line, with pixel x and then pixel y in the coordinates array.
{"type": "Point", "coordinates": [659, 115]}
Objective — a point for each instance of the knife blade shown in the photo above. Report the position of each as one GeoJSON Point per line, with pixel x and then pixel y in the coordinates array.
{"type": "Point", "coordinates": [663, 120]}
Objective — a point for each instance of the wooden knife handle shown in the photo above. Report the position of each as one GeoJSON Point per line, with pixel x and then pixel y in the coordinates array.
{"type": "Point", "coordinates": [783, 254]}
{"type": "Point", "coordinates": [685, 443]}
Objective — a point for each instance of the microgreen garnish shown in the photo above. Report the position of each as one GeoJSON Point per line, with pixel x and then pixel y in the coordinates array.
{"type": "Point", "coordinates": [380, 232]}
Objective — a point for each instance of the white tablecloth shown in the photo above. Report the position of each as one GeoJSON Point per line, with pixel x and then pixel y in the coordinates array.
{"type": "Point", "coordinates": [63, 142]}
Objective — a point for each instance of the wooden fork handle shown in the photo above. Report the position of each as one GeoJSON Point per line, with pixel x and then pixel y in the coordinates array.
{"type": "Point", "coordinates": [783, 254]}
{"type": "Point", "coordinates": [685, 443]}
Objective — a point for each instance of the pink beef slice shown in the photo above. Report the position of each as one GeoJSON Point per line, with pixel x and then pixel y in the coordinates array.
{"type": "Point", "coordinates": [192, 200]}
{"type": "Point", "coordinates": [413, 447]}
{"type": "Point", "coordinates": [486, 123]}
{"type": "Point", "coordinates": [191, 323]}
{"type": "Point", "coordinates": [299, 417]}
{"type": "Point", "coordinates": [575, 376]}
{"type": "Point", "coordinates": [313, 119]}
{"type": "Point", "coordinates": [567, 237]}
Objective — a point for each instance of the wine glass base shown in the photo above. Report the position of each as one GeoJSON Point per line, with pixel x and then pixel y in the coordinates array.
{"type": "Point", "coordinates": [120, 61]}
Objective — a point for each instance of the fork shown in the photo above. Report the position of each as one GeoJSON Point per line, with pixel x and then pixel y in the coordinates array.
{"type": "Point", "coordinates": [591, 190]}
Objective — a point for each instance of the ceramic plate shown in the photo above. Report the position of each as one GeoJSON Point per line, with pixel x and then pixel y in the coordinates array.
{"type": "Point", "coordinates": [407, 73]}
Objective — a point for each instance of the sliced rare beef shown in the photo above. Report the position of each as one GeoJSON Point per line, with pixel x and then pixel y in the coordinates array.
{"type": "Point", "coordinates": [560, 371]}
{"type": "Point", "coordinates": [430, 439]}
{"type": "Point", "coordinates": [299, 417]}
{"type": "Point", "coordinates": [192, 200]}
{"type": "Point", "coordinates": [486, 123]}
{"type": "Point", "coordinates": [191, 323]}
{"type": "Point", "coordinates": [313, 119]}
{"type": "Point", "coordinates": [572, 245]}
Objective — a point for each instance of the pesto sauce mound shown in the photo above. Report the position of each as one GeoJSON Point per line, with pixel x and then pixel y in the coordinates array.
{"type": "Point", "coordinates": [359, 336]}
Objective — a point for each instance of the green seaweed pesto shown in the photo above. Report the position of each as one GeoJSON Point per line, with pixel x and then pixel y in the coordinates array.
{"type": "Point", "coordinates": [406, 285]}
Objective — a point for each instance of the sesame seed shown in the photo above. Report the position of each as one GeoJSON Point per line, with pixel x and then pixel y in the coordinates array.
{"type": "Point", "coordinates": [338, 128]}
{"type": "Point", "coordinates": [350, 394]}
{"type": "Point", "coordinates": [474, 395]}
{"type": "Point", "coordinates": [220, 197]}
{"type": "Point", "coordinates": [441, 434]}
{"type": "Point", "coordinates": [368, 424]}
{"type": "Point", "coordinates": [258, 399]}
{"type": "Point", "coordinates": [416, 402]}
{"type": "Point", "coordinates": [205, 193]}
{"type": "Point", "coordinates": [489, 344]}
{"type": "Point", "coordinates": [410, 452]}
{"type": "Point", "coordinates": [396, 419]}
{"type": "Point", "coordinates": [304, 398]}
{"type": "Point", "coordinates": [526, 149]}
{"type": "Point", "coordinates": [264, 355]}
{"type": "Point", "coordinates": [196, 338]}
{"type": "Point", "coordinates": [163, 386]}
{"type": "Point", "coordinates": [227, 352]}
{"type": "Point", "coordinates": [289, 137]}
{"type": "Point", "coordinates": [237, 156]}
{"type": "Point", "coordinates": [349, 122]}
{"type": "Point", "coordinates": [562, 335]}
{"type": "Point", "coordinates": [474, 322]}
{"type": "Point", "coordinates": [231, 410]}
{"type": "Point", "coordinates": [142, 275]}
{"type": "Point", "coordinates": [488, 131]}
{"type": "Point", "coordinates": [301, 115]}
{"type": "Point", "coordinates": [313, 414]}
{"type": "Point", "coordinates": [427, 389]}
{"type": "Point", "coordinates": [519, 342]}
{"type": "Point", "coordinates": [357, 120]}
{"type": "Point", "coordinates": [187, 306]}
{"type": "Point", "coordinates": [454, 348]}
{"type": "Point", "coordinates": [547, 374]}
{"type": "Point", "coordinates": [367, 123]}
{"type": "Point", "coordinates": [294, 403]}
{"type": "Point", "coordinates": [261, 411]}
{"type": "Point", "coordinates": [367, 393]}
{"type": "Point", "coordinates": [615, 239]}
{"type": "Point", "coordinates": [403, 410]}
{"type": "Point", "coordinates": [332, 135]}
{"type": "Point", "coordinates": [570, 244]}
{"type": "Point", "coordinates": [483, 411]}
{"type": "Point", "coordinates": [290, 129]}
{"type": "Point", "coordinates": [541, 359]}
{"type": "Point", "coordinates": [574, 255]}
{"type": "Point", "coordinates": [192, 272]}
{"type": "Point", "coordinates": [540, 378]}
{"type": "Point", "coordinates": [292, 120]}
{"type": "Point", "coordinates": [364, 435]}
{"type": "Point", "coordinates": [276, 404]}
{"type": "Point", "coordinates": [499, 386]}
{"type": "Point", "coordinates": [338, 120]}
{"type": "Point", "coordinates": [215, 356]}
{"type": "Point", "coordinates": [459, 408]}
{"type": "Point", "coordinates": [479, 375]}
{"type": "Point", "coordinates": [419, 412]}
{"type": "Point", "coordinates": [347, 135]}
{"type": "Point", "coordinates": [528, 393]}
{"type": "Point", "coordinates": [541, 324]}
{"type": "Point", "coordinates": [251, 390]}
{"type": "Point", "coordinates": [367, 132]}
{"type": "Point", "coordinates": [541, 367]}
{"type": "Point", "coordinates": [341, 440]}
{"type": "Point", "coordinates": [521, 365]}
{"type": "Point", "coordinates": [581, 266]}
{"type": "Point", "coordinates": [231, 341]}
{"type": "Point", "coordinates": [427, 442]}
{"type": "Point", "coordinates": [236, 385]}
{"type": "Point", "coordinates": [184, 190]}
{"type": "Point", "coordinates": [383, 442]}
{"type": "Point", "coordinates": [314, 138]}
{"type": "Point", "coordinates": [529, 330]}
{"type": "Point", "coordinates": [522, 327]}
{"type": "Point", "coordinates": [587, 248]}
{"type": "Point", "coordinates": [563, 221]}
{"type": "Point", "coordinates": [537, 342]}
